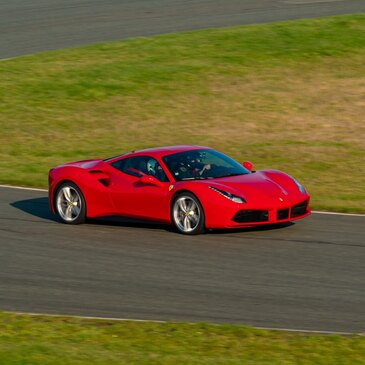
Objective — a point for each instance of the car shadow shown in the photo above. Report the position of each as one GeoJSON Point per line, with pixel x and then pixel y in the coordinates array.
{"type": "Point", "coordinates": [262, 228]}
{"type": "Point", "coordinates": [39, 207]}
{"type": "Point", "coordinates": [129, 222]}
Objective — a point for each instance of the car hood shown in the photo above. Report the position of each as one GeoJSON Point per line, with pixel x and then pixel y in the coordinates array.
{"type": "Point", "coordinates": [263, 184]}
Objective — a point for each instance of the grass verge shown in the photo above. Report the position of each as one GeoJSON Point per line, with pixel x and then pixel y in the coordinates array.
{"type": "Point", "coordinates": [31, 340]}
{"type": "Point", "coordinates": [286, 95]}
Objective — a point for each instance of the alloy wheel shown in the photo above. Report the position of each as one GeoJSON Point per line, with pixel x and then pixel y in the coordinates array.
{"type": "Point", "coordinates": [186, 214]}
{"type": "Point", "coordinates": [69, 203]}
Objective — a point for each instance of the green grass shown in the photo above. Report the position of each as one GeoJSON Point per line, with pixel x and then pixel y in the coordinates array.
{"type": "Point", "coordinates": [31, 340]}
{"type": "Point", "coordinates": [286, 95]}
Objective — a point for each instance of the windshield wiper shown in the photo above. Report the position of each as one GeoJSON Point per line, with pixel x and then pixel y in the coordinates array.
{"type": "Point", "coordinates": [195, 178]}
{"type": "Point", "coordinates": [233, 174]}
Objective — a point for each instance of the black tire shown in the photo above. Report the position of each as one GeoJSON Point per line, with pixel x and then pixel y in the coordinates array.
{"type": "Point", "coordinates": [69, 203]}
{"type": "Point", "coordinates": [187, 214]}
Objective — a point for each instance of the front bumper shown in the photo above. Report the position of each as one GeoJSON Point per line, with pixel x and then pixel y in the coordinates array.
{"type": "Point", "coordinates": [236, 217]}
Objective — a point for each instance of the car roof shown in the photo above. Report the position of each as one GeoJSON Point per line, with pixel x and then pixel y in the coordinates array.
{"type": "Point", "coordinates": [159, 151]}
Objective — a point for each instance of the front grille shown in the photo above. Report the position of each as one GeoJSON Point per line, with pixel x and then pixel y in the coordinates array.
{"type": "Point", "coordinates": [282, 214]}
{"type": "Point", "coordinates": [299, 209]}
{"type": "Point", "coordinates": [250, 216]}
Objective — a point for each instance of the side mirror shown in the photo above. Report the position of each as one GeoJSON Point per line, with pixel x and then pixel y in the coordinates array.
{"type": "Point", "coordinates": [150, 180]}
{"type": "Point", "coordinates": [248, 165]}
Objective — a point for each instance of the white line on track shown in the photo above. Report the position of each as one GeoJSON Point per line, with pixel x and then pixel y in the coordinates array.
{"type": "Point", "coordinates": [157, 321]}
{"type": "Point", "coordinates": [337, 213]}
{"type": "Point", "coordinates": [22, 188]}
{"type": "Point", "coordinates": [6, 59]}
{"type": "Point", "coordinates": [314, 211]}
{"type": "Point", "coordinates": [311, 331]}
{"type": "Point", "coordinates": [86, 317]}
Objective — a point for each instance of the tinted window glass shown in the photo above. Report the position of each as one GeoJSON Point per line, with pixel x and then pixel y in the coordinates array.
{"type": "Point", "coordinates": [202, 164]}
{"type": "Point", "coordinates": [141, 165]}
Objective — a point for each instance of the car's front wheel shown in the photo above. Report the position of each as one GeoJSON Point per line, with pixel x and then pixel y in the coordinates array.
{"type": "Point", "coordinates": [70, 204]}
{"type": "Point", "coordinates": [187, 214]}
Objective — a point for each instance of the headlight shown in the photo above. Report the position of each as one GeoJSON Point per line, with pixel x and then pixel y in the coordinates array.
{"type": "Point", "coordinates": [226, 194]}
{"type": "Point", "coordinates": [300, 187]}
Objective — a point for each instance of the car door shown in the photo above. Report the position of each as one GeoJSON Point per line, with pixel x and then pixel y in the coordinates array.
{"type": "Point", "coordinates": [135, 198]}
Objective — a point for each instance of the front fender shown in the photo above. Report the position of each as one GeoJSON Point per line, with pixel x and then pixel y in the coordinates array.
{"type": "Point", "coordinates": [218, 210]}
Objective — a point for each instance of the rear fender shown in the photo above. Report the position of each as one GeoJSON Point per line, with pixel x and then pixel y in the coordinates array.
{"type": "Point", "coordinates": [95, 192]}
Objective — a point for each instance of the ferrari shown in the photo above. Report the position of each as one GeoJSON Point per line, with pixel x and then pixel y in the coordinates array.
{"type": "Point", "coordinates": [194, 188]}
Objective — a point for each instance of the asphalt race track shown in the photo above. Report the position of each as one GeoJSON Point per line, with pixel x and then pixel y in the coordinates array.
{"type": "Point", "coordinates": [308, 275]}
{"type": "Point", "coordinates": [31, 26]}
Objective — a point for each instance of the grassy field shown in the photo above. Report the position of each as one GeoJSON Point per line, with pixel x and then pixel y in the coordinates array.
{"type": "Point", "coordinates": [31, 340]}
{"type": "Point", "coordinates": [288, 96]}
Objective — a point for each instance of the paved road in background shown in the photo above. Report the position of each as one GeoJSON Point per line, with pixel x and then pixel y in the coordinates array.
{"type": "Point", "coordinates": [309, 275]}
{"type": "Point", "coordinates": [29, 26]}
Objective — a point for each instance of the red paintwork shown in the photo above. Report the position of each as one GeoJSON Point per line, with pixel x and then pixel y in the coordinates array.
{"type": "Point", "coordinates": [131, 196]}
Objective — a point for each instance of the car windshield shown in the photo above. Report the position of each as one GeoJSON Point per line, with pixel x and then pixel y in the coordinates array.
{"type": "Point", "coordinates": [202, 164]}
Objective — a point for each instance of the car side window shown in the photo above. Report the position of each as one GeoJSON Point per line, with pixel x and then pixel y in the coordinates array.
{"type": "Point", "coordinates": [141, 165]}
{"type": "Point", "coordinates": [155, 169]}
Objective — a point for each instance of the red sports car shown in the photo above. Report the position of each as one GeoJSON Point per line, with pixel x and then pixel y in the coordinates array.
{"type": "Point", "coordinates": [193, 187]}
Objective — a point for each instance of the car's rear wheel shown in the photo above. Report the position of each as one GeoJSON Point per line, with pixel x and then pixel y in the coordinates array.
{"type": "Point", "coordinates": [187, 214]}
{"type": "Point", "coordinates": [70, 204]}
